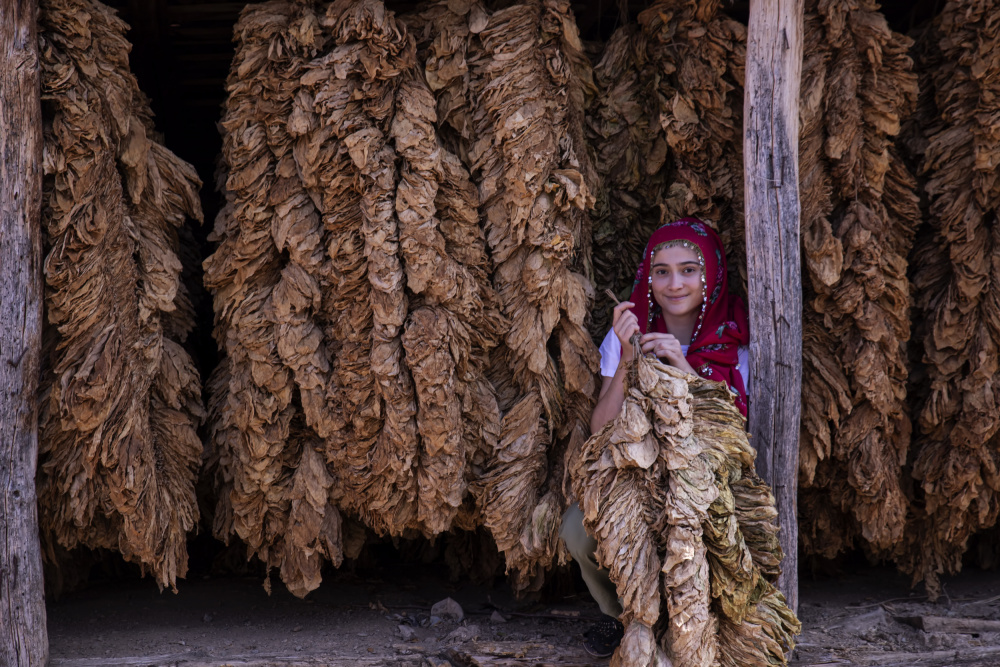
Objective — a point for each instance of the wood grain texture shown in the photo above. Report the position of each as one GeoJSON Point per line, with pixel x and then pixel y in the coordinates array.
{"type": "Point", "coordinates": [23, 634]}
{"type": "Point", "coordinates": [770, 140]}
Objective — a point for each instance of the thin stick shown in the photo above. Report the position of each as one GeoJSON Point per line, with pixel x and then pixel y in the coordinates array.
{"type": "Point", "coordinates": [975, 601]}
{"type": "Point", "coordinates": [635, 337]}
{"type": "Point", "coordinates": [517, 614]}
{"type": "Point", "coordinates": [879, 604]}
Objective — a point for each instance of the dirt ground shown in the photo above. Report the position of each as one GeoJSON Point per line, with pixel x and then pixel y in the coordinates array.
{"type": "Point", "coordinates": [385, 618]}
{"type": "Point", "coordinates": [875, 618]}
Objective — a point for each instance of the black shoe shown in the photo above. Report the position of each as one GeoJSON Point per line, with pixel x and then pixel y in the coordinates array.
{"type": "Point", "coordinates": [603, 637]}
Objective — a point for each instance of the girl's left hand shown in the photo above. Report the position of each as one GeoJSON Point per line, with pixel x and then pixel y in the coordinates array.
{"type": "Point", "coordinates": [665, 346]}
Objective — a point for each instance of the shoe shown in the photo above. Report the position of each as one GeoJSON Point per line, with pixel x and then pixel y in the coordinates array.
{"type": "Point", "coordinates": [603, 637]}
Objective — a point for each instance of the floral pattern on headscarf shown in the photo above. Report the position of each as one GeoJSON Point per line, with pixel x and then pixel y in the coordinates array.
{"type": "Point", "coordinates": [722, 325]}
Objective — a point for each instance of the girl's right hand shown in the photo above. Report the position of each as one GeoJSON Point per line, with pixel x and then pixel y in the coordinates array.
{"type": "Point", "coordinates": [625, 325]}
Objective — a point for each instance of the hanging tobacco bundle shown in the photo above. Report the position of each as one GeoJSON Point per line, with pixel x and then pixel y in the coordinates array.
{"type": "Point", "coordinates": [445, 33]}
{"type": "Point", "coordinates": [352, 295]}
{"type": "Point", "coordinates": [701, 113]}
{"type": "Point", "coordinates": [511, 87]}
{"type": "Point", "coordinates": [955, 274]}
{"type": "Point", "coordinates": [121, 399]}
{"type": "Point", "coordinates": [259, 455]}
{"type": "Point", "coordinates": [667, 130]}
{"type": "Point", "coordinates": [859, 214]}
{"type": "Point", "coordinates": [668, 487]}
{"type": "Point", "coordinates": [825, 528]}
{"type": "Point", "coordinates": [631, 152]}
{"type": "Point", "coordinates": [535, 183]}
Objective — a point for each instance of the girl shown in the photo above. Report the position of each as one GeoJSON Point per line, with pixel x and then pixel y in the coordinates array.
{"type": "Point", "coordinates": [682, 309]}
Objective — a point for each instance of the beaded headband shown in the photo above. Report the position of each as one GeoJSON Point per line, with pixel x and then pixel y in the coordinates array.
{"type": "Point", "coordinates": [704, 286]}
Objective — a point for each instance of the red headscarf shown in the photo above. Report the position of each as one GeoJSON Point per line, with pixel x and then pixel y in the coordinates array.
{"type": "Point", "coordinates": [722, 325]}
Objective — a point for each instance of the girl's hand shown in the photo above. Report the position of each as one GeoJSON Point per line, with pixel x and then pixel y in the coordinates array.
{"type": "Point", "coordinates": [625, 325]}
{"type": "Point", "coordinates": [666, 346]}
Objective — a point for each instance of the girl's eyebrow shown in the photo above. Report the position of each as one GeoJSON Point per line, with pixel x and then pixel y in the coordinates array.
{"type": "Point", "coordinates": [684, 263]}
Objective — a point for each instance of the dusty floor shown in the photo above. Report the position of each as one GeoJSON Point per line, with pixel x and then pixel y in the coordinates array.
{"type": "Point", "coordinates": [352, 619]}
{"type": "Point", "coordinates": [869, 618]}
{"type": "Point", "coordinates": [385, 619]}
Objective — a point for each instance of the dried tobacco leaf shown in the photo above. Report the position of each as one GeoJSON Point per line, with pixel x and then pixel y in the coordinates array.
{"type": "Point", "coordinates": [263, 307]}
{"type": "Point", "coordinates": [857, 228]}
{"type": "Point", "coordinates": [533, 171]}
{"type": "Point", "coordinates": [121, 399]}
{"type": "Point", "coordinates": [445, 340]}
{"type": "Point", "coordinates": [352, 295]}
{"type": "Point", "coordinates": [697, 511]}
{"type": "Point", "coordinates": [955, 140]}
{"type": "Point", "coordinates": [756, 627]}
{"type": "Point", "coordinates": [630, 157]}
{"type": "Point", "coordinates": [701, 116]}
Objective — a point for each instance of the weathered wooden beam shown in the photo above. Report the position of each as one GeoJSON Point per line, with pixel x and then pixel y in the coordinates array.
{"type": "Point", "coordinates": [951, 625]}
{"type": "Point", "coordinates": [771, 179]}
{"type": "Point", "coordinates": [23, 634]}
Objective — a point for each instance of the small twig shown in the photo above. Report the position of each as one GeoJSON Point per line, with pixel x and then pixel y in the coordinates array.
{"type": "Point", "coordinates": [519, 614]}
{"type": "Point", "coordinates": [558, 617]}
{"type": "Point", "coordinates": [395, 607]}
{"type": "Point", "coordinates": [636, 346]}
{"type": "Point", "coordinates": [944, 589]}
{"type": "Point", "coordinates": [975, 601]}
{"type": "Point", "coordinates": [879, 604]}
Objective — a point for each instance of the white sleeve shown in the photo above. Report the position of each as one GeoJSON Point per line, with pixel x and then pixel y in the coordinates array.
{"type": "Point", "coordinates": [611, 354]}
{"type": "Point", "coordinates": [743, 366]}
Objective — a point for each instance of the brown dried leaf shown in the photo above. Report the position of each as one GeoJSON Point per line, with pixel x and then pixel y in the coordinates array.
{"type": "Point", "coordinates": [121, 399]}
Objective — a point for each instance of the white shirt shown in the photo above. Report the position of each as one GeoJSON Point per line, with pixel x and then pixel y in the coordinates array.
{"type": "Point", "coordinates": [611, 354]}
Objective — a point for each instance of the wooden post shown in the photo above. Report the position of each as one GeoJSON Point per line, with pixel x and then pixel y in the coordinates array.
{"type": "Point", "coordinates": [23, 634]}
{"type": "Point", "coordinates": [771, 179]}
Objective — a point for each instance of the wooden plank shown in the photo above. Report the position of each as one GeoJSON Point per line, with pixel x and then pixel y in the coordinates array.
{"type": "Point", "coordinates": [203, 659]}
{"type": "Point", "coordinates": [771, 179]}
{"type": "Point", "coordinates": [986, 655]}
{"type": "Point", "coordinates": [945, 624]}
{"type": "Point", "coordinates": [511, 653]}
{"type": "Point", "coordinates": [23, 636]}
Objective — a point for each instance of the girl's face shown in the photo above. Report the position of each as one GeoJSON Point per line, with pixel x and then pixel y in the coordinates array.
{"type": "Point", "coordinates": [677, 285]}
